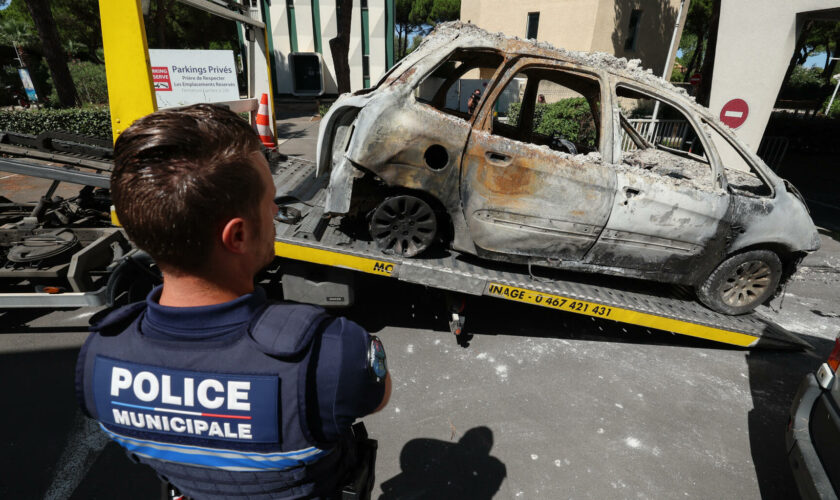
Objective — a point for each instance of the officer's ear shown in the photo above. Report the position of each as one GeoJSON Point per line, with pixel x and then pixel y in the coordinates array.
{"type": "Point", "coordinates": [234, 235]}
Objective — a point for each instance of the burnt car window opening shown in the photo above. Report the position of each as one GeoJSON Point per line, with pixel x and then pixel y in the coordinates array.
{"type": "Point", "coordinates": [550, 107]}
{"type": "Point", "coordinates": [740, 173]}
{"type": "Point", "coordinates": [670, 147]}
{"type": "Point", "coordinates": [451, 87]}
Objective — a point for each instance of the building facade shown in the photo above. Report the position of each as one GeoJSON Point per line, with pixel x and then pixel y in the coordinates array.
{"type": "Point", "coordinates": [300, 34]}
{"type": "Point", "coordinates": [635, 29]}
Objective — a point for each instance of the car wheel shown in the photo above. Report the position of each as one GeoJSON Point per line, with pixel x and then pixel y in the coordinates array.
{"type": "Point", "coordinates": [403, 225]}
{"type": "Point", "coordinates": [742, 282]}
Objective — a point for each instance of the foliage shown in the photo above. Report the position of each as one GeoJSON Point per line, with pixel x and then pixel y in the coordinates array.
{"type": "Point", "coordinates": [570, 118]}
{"type": "Point", "coordinates": [834, 112]}
{"type": "Point", "coordinates": [323, 108]}
{"type": "Point", "coordinates": [805, 84]}
{"type": "Point", "coordinates": [95, 121]}
{"type": "Point", "coordinates": [90, 82]}
{"type": "Point", "coordinates": [419, 17]}
{"type": "Point", "coordinates": [695, 36]}
{"type": "Point", "coordinates": [807, 133]}
{"type": "Point", "coordinates": [802, 77]}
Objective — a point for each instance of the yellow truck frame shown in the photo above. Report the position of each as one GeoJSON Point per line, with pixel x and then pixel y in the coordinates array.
{"type": "Point", "coordinates": [131, 93]}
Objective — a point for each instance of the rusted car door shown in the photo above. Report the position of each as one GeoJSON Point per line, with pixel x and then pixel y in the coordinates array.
{"type": "Point", "coordinates": [666, 221]}
{"type": "Point", "coordinates": [522, 198]}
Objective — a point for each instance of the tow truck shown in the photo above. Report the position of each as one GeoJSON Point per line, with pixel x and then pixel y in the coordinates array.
{"type": "Point", "coordinates": [317, 254]}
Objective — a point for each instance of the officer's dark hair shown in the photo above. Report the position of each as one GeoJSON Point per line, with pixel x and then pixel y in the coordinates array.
{"type": "Point", "coordinates": [178, 176]}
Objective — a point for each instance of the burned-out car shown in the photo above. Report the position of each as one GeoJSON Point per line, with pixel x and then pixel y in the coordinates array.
{"type": "Point", "coordinates": [569, 160]}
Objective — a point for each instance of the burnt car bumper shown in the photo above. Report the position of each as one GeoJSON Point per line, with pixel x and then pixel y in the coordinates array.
{"type": "Point", "coordinates": [808, 469]}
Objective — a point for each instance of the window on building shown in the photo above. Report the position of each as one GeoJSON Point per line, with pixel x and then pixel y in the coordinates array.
{"type": "Point", "coordinates": [633, 30]}
{"type": "Point", "coordinates": [451, 85]}
{"type": "Point", "coordinates": [533, 25]}
{"type": "Point", "coordinates": [365, 44]}
{"type": "Point", "coordinates": [667, 145]}
{"type": "Point", "coordinates": [546, 106]}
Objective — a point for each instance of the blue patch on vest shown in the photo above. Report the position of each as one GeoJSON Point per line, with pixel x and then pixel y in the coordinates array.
{"type": "Point", "coordinates": [186, 404]}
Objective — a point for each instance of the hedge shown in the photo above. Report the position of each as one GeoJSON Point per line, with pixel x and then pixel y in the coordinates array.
{"type": "Point", "coordinates": [87, 121]}
{"type": "Point", "coordinates": [570, 118]}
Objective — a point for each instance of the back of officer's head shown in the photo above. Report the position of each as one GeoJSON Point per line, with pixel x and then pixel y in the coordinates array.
{"type": "Point", "coordinates": [179, 176]}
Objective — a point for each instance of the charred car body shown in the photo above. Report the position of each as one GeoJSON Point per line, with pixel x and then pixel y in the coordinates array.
{"type": "Point", "coordinates": [673, 198]}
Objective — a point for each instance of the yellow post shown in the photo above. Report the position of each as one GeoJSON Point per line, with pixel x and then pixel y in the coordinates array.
{"type": "Point", "coordinates": [130, 90]}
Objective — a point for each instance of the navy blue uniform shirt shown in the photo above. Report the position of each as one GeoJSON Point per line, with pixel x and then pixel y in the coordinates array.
{"type": "Point", "coordinates": [343, 388]}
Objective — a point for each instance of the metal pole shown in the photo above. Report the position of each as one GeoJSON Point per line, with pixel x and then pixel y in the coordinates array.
{"type": "Point", "coordinates": [665, 75]}
{"type": "Point", "coordinates": [17, 55]}
{"type": "Point", "coordinates": [836, 77]}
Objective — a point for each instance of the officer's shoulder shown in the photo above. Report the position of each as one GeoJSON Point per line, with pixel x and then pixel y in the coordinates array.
{"type": "Point", "coordinates": [114, 320]}
{"type": "Point", "coordinates": [286, 329]}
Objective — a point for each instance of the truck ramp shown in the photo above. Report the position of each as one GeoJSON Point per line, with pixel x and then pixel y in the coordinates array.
{"type": "Point", "coordinates": [313, 238]}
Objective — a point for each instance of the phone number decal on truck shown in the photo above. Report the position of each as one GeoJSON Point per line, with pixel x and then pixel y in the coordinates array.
{"type": "Point", "coordinates": [547, 300]}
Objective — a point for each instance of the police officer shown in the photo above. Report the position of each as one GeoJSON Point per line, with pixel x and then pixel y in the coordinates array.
{"type": "Point", "coordinates": [224, 393]}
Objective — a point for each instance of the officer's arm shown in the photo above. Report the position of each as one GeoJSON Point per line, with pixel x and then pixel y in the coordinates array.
{"type": "Point", "coordinates": [352, 376]}
{"type": "Point", "coordinates": [387, 396]}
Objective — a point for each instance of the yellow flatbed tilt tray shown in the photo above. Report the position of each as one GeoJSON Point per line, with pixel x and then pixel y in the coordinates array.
{"type": "Point", "coordinates": [319, 240]}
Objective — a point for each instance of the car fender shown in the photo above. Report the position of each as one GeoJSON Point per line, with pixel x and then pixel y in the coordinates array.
{"type": "Point", "coordinates": [342, 111]}
{"type": "Point", "coordinates": [782, 221]}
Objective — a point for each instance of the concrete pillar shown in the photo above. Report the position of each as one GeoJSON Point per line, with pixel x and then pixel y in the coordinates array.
{"type": "Point", "coordinates": [756, 39]}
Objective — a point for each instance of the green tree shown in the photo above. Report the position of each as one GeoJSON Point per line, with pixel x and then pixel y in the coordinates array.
{"type": "Point", "coordinates": [694, 37]}
{"type": "Point", "coordinates": [418, 17]}
{"type": "Point", "coordinates": [444, 10]}
{"type": "Point", "coordinates": [53, 52]}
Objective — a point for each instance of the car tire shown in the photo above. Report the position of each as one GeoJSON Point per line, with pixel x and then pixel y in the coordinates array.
{"type": "Point", "coordinates": [742, 282]}
{"type": "Point", "coordinates": [403, 225]}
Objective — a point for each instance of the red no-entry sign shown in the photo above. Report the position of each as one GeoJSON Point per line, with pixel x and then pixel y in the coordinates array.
{"type": "Point", "coordinates": [695, 79]}
{"type": "Point", "coordinates": [734, 113]}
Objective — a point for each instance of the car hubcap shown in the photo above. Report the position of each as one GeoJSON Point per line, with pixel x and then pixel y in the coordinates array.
{"type": "Point", "coordinates": [404, 225]}
{"type": "Point", "coordinates": [748, 283]}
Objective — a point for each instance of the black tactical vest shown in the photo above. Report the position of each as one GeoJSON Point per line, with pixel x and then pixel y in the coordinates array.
{"type": "Point", "coordinates": [218, 419]}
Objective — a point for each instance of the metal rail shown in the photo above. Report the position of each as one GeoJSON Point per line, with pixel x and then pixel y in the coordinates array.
{"type": "Point", "coordinates": [55, 173]}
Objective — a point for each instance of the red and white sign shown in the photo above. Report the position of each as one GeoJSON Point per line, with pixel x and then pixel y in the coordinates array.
{"type": "Point", "coordinates": [734, 113]}
{"type": "Point", "coordinates": [695, 79]}
{"type": "Point", "coordinates": [160, 78]}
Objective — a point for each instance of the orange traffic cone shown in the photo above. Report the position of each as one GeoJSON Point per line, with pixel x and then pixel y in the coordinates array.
{"type": "Point", "coordinates": [263, 124]}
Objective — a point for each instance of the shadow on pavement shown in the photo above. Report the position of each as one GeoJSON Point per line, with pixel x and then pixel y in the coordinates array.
{"type": "Point", "coordinates": [431, 468]}
{"type": "Point", "coordinates": [774, 377]}
{"type": "Point", "coordinates": [48, 448]}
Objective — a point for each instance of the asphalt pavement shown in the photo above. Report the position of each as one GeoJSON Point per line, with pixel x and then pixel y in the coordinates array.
{"type": "Point", "coordinates": [538, 404]}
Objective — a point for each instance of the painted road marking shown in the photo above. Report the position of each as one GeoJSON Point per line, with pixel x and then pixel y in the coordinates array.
{"type": "Point", "coordinates": [618, 314]}
{"type": "Point", "coordinates": [83, 446]}
{"type": "Point", "coordinates": [329, 258]}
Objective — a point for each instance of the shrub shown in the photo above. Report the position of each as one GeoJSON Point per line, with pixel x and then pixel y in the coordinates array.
{"type": "Point", "coordinates": [570, 118]}
{"type": "Point", "coordinates": [805, 84]}
{"type": "Point", "coordinates": [90, 82]}
{"type": "Point", "coordinates": [91, 85]}
{"type": "Point", "coordinates": [834, 112]}
{"type": "Point", "coordinates": [95, 121]}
